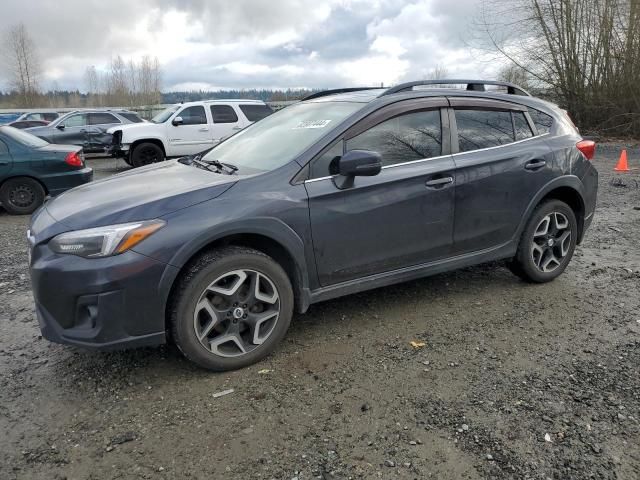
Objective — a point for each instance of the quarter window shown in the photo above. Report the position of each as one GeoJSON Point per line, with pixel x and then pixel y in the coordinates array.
{"type": "Point", "coordinates": [326, 164]}
{"type": "Point", "coordinates": [408, 137]}
{"type": "Point", "coordinates": [523, 130]}
{"type": "Point", "coordinates": [479, 129]}
{"type": "Point", "coordinates": [541, 120]}
{"type": "Point", "coordinates": [193, 115]}
{"type": "Point", "coordinates": [223, 114]}
{"type": "Point", "coordinates": [255, 112]}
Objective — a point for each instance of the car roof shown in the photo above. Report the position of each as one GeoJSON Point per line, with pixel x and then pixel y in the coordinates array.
{"type": "Point", "coordinates": [384, 96]}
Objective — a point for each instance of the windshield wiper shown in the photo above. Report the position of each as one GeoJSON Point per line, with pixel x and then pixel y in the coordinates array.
{"type": "Point", "coordinates": [205, 165]}
{"type": "Point", "coordinates": [230, 168]}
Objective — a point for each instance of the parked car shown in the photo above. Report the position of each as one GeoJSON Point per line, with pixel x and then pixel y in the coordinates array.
{"type": "Point", "coordinates": [22, 124]}
{"type": "Point", "coordinates": [31, 169]}
{"type": "Point", "coordinates": [340, 193]}
{"type": "Point", "coordinates": [48, 116]}
{"type": "Point", "coordinates": [8, 118]}
{"type": "Point", "coordinates": [184, 129]}
{"type": "Point", "coordinates": [87, 128]}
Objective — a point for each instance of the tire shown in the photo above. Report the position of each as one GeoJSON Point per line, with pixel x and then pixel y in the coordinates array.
{"type": "Point", "coordinates": [545, 250]}
{"type": "Point", "coordinates": [146, 154]}
{"type": "Point", "coordinates": [21, 195]}
{"type": "Point", "coordinates": [222, 283]}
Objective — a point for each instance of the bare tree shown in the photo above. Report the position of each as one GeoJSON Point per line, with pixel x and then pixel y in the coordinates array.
{"type": "Point", "coordinates": [92, 82]}
{"type": "Point", "coordinates": [23, 64]}
{"type": "Point", "coordinates": [438, 73]}
{"type": "Point", "coordinates": [515, 74]}
{"type": "Point", "coordinates": [585, 54]}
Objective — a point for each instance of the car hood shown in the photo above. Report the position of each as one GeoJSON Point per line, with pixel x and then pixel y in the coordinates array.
{"type": "Point", "coordinates": [136, 128]}
{"type": "Point", "coordinates": [44, 130]}
{"type": "Point", "coordinates": [139, 194]}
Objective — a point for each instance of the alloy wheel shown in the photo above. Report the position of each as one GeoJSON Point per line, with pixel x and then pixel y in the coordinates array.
{"type": "Point", "coordinates": [236, 313]}
{"type": "Point", "coordinates": [551, 242]}
{"type": "Point", "coordinates": [148, 156]}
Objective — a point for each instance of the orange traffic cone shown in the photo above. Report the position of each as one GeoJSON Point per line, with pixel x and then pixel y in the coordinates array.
{"type": "Point", "coordinates": [622, 165]}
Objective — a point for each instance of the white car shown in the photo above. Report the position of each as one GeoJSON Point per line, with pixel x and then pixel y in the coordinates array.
{"type": "Point", "coordinates": [184, 129]}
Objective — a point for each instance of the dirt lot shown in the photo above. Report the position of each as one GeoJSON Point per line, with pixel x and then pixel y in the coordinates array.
{"type": "Point", "coordinates": [514, 380]}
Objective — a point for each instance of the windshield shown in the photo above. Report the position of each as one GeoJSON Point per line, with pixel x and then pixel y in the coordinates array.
{"type": "Point", "coordinates": [164, 115]}
{"type": "Point", "coordinates": [24, 138]}
{"type": "Point", "coordinates": [279, 138]}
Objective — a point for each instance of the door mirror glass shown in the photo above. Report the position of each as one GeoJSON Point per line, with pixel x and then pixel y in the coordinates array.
{"type": "Point", "coordinates": [357, 163]}
{"type": "Point", "coordinates": [177, 121]}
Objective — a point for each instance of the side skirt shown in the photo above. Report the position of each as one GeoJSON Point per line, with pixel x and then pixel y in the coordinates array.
{"type": "Point", "coordinates": [506, 250]}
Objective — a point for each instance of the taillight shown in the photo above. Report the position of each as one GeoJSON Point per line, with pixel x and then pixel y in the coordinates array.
{"type": "Point", "coordinates": [588, 148]}
{"type": "Point", "coordinates": [74, 160]}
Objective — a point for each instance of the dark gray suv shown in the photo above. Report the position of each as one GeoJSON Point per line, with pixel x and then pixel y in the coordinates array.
{"type": "Point", "coordinates": [345, 191]}
{"type": "Point", "coordinates": [87, 128]}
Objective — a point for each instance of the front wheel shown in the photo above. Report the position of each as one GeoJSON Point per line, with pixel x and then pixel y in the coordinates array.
{"type": "Point", "coordinates": [146, 154]}
{"type": "Point", "coordinates": [231, 308]}
{"type": "Point", "coordinates": [547, 243]}
{"type": "Point", "coordinates": [21, 195]}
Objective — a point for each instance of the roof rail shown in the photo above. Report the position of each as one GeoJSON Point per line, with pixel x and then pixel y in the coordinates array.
{"type": "Point", "coordinates": [472, 85]}
{"type": "Point", "coordinates": [324, 93]}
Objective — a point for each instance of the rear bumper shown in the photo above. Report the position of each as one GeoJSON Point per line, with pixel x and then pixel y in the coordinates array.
{"type": "Point", "coordinates": [61, 182]}
{"type": "Point", "coordinates": [105, 304]}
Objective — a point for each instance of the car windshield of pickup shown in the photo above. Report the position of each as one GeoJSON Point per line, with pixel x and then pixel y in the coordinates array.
{"type": "Point", "coordinates": [282, 136]}
{"type": "Point", "coordinates": [164, 115]}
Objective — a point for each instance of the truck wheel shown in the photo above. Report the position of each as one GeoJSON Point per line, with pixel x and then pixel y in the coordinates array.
{"type": "Point", "coordinates": [231, 308]}
{"type": "Point", "coordinates": [21, 195]}
{"type": "Point", "coordinates": [146, 154]}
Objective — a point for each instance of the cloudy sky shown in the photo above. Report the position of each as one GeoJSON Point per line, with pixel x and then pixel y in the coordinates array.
{"type": "Point", "coordinates": [214, 44]}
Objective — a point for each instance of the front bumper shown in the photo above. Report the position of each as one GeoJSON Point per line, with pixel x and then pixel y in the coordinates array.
{"type": "Point", "coordinates": [106, 303]}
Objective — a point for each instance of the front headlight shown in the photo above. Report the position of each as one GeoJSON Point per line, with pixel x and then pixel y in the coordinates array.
{"type": "Point", "coordinates": [104, 241]}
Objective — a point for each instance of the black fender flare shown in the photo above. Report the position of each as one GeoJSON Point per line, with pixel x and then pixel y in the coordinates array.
{"type": "Point", "coordinates": [570, 181]}
{"type": "Point", "coordinates": [271, 228]}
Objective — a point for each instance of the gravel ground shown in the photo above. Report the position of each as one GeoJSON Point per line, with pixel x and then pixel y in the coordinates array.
{"type": "Point", "coordinates": [513, 381]}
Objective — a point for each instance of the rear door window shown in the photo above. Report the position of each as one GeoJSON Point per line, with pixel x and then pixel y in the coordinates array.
{"type": "Point", "coordinates": [102, 118]}
{"type": "Point", "coordinates": [478, 129]}
{"type": "Point", "coordinates": [256, 112]}
{"type": "Point", "coordinates": [542, 121]}
{"type": "Point", "coordinates": [78, 120]}
{"type": "Point", "coordinates": [224, 114]}
{"type": "Point", "coordinates": [405, 138]}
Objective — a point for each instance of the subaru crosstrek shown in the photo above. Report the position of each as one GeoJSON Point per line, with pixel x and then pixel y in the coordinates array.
{"type": "Point", "coordinates": [345, 191]}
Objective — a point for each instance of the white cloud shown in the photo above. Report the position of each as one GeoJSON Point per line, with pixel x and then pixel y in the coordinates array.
{"type": "Point", "coordinates": [253, 43]}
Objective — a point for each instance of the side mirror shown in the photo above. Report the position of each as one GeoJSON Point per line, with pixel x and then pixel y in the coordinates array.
{"type": "Point", "coordinates": [357, 163]}
{"type": "Point", "coordinates": [177, 121]}
{"type": "Point", "coordinates": [60, 126]}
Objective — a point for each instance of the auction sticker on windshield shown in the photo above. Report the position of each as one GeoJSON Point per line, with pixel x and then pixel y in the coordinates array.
{"type": "Point", "coordinates": [312, 124]}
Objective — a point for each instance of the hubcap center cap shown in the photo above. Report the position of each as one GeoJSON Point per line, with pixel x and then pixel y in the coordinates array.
{"type": "Point", "coordinates": [238, 312]}
{"type": "Point", "coordinates": [551, 242]}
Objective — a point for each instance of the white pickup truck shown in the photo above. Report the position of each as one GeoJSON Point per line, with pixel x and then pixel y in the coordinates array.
{"type": "Point", "coordinates": [184, 129]}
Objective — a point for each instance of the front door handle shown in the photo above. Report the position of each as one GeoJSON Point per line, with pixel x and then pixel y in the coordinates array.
{"type": "Point", "coordinates": [203, 130]}
{"type": "Point", "coordinates": [439, 182]}
{"type": "Point", "coordinates": [535, 164]}
{"type": "Point", "coordinates": [3, 163]}
{"type": "Point", "coordinates": [236, 128]}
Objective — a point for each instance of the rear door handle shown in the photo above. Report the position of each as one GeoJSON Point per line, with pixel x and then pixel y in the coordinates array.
{"type": "Point", "coordinates": [439, 182]}
{"type": "Point", "coordinates": [236, 128]}
{"type": "Point", "coordinates": [203, 130]}
{"type": "Point", "coordinates": [535, 164]}
{"type": "Point", "coordinates": [4, 163]}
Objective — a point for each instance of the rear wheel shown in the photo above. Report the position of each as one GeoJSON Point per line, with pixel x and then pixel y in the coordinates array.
{"type": "Point", "coordinates": [146, 154]}
{"type": "Point", "coordinates": [21, 195]}
{"type": "Point", "coordinates": [231, 308]}
{"type": "Point", "coordinates": [547, 243]}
